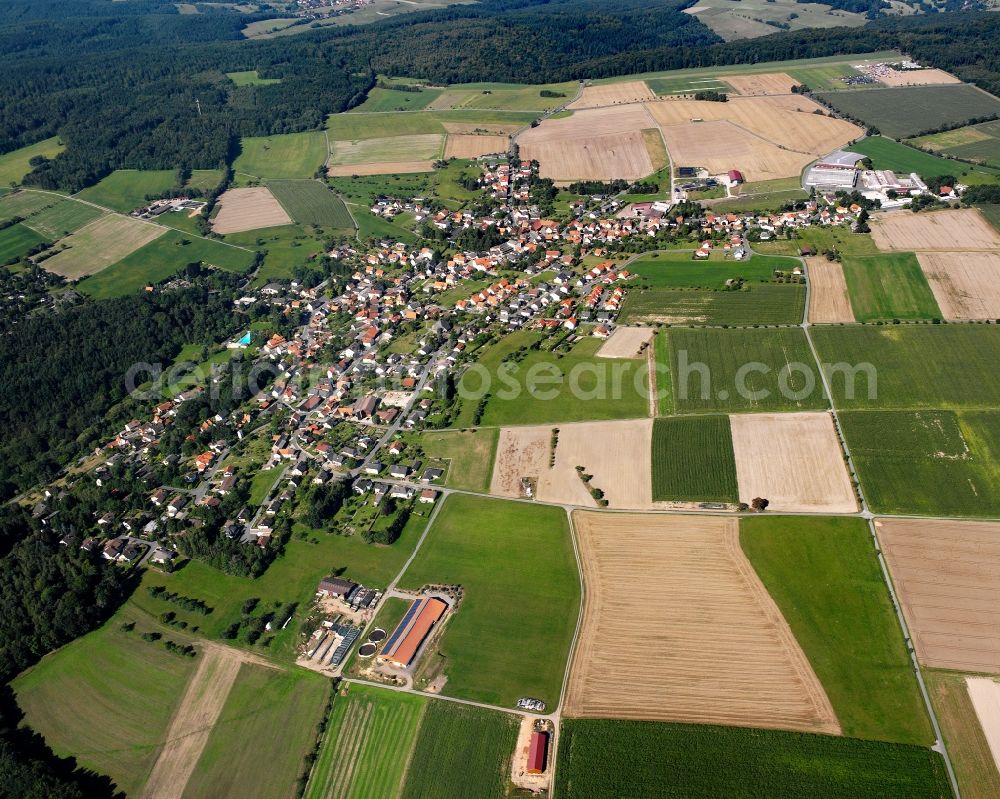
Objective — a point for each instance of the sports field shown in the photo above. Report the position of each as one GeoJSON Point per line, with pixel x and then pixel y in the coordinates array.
{"type": "Point", "coordinates": [912, 110]}
{"type": "Point", "coordinates": [693, 459]}
{"type": "Point", "coordinates": [936, 463]}
{"type": "Point", "coordinates": [743, 370]}
{"type": "Point", "coordinates": [824, 575]}
{"type": "Point", "coordinates": [890, 286]}
{"type": "Point", "coordinates": [291, 155]}
{"type": "Point", "coordinates": [597, 755]}
{"type": "Point", "coordinates": [99, 244]}
{"type": "Point", "coordinates": [512, 550]}
{"type": "Point", "coordinates": [15, 164]}
{"type": "Point", "coordinates": [310, 202]}
{"type": "Point", "coordinates": [911, 366]}
{"type": "Point", "coordinates": [16, 240]}
{"type": "Point", "coordinates": [126, 189]}
{"type": "Point", "coordinates": [755, 304]}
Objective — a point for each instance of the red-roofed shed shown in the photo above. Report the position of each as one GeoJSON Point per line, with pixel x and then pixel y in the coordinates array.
{"type": "Point", "coordinates": [538, 752]}
{"type": "Point", "coordinates": [735, 176]}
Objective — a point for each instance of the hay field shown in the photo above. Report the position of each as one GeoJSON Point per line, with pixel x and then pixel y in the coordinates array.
{"type": "Point", "coordinates": [792, 459]}
{"type": "Point", "coordinates": [985, 696]}
{"type": "Point", "coordinates": [947, 578]}
{"type": "Point", "coordinates": [965, 285]}
{"type": "Point", "coordinates": [625, 342]}
{"type": "Point", "coordinates": [917, 77]}
{"type": "Point", "coordinates": [720, 146]}
{"type": "Point", "coordinates": [101, 243]}
{"type": "Point", "coordinates": [628, 91]}
{"type": "Point", "coordinates": [466, 145]}
{"type": "Point", "coordinates": [483, 128]}
{"type": "Point", "coordinates": [380, 168]}
{"type": "Point", "coordinates": [829, 302]}
{"type": "Point", "coordinates": [961, 230]}
{"type": "Point", "coordinates": [249, 209]}
{"type": "Point", "coordinates": [615, 453]}
{"type": "Point", "coordinates": [419, 147]}
{"type": "Point", "coordinates": [678, 627]}
{"type": "Point", "coordinates": [765, 83]}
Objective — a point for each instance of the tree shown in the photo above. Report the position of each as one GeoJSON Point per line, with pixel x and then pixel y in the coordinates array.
{"type": "Point", "coordinates": [759, 504]}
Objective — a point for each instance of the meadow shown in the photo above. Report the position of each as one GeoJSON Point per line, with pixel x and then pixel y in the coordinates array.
{"type": "Point", "coordinates": [100, 244]}
{"type": "Point", "coordinates": [824, 575]}
{"type": "Point", "coordinates": [693, 459]}
{"type": "Point", "coordinates": [680, 270]}
{"type": "Point", "coordinates": [716, 370]}
{"type": "Point", "coordinates": [915, 366]}
{"type": "Point", "coordinates": [768, 201]}
{"type": "Point", "coordinates": [444, 184]}
{"type": "Point", "coordinates": [468, 454]}
{"type": "Point", "coordinates": [755, 304]}
{"type": "Point", "coordinates": [283, 249]}
{"type": "Point", "coordinates": [63, 218]}
{"type": "Point", "coordinates": [973, 143]}
{"type": "Point", "coordinates": [310, 202]}
{"type": "Point", "coordinates": [932, 462]}
{"type": "Point", "coordinates": [838, 239]}
{"type": "Point", "coordinates": [160, 259]}
{"type": "Point", "coordinates": [390, 149]}
{"type": "Point", "coordinates": [597, 756]}
{"type": "Point", "coordinates": [250, 78]}
{"type": "Point", "coordinates": [384, 99]}
{"type": "Point", "coordinates": [355, 126]}
{"type": "Point", "coordinates": [888, 154]}
{"type": "Point", "coordinates": [291, 155]}
{"type": "Point", "coordinates": [368, 744]}
{"type": "Point", "coordinates": [15, 164]}
{"type": "Point", "coordinates": [16, 240]}
{"type": "Point", "coordinates": [911, 110]}
{"type": "Point", "coordinates": [889, 286]}
{"type": "Point", "coordinates": [521, 595]}
{"type": "Point", "coordinates": [25, 203]}
{"type": "Point", "coordinates": [126, 189]}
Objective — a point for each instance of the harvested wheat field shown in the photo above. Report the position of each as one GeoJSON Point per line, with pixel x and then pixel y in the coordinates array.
{"type": "Point", "coordinates": [626, 342]}
{"type": "Point", "coordinates": [387, 149]}
{"type": "Point", "coordinates": [248, 209]}
{"type": "Point", "coordinates": [916, 77]}
{"type": "Point", "coordinates": [615, 155]}
{"type": "Point", "coordinates": [767, 83]}
{"type": "Point", "coordinates": [947, 577]}
{"type": "Point", "coordinates": [482, 128]}
{"type": "Point", "coordinates": [629, 91]}
{"type": "Point", "coordinates": [614, 453]}
{"type": "Point", "coordinates": [103, 242]}
{"type": "Point", "coordinates": [720, 146]}
{"type": "Point", "coordinates": [794, 460]}
{"type": "Point", "coordinates": [678, 627]}
{"type": "Point", "coordinates": [380, 168]}
{"type": "Point", "coordinates": [966, 285]}
{"type": "Point", "coordinates": [466, 145]}
{"type": "Point", "coordinates": [189, 730]}
{"type": "Point", "coordinates": [985, 696]}
{"type": "Point", "coordinates": [829, 301]}
{"type": "Point", "coordinates": [962, 230]}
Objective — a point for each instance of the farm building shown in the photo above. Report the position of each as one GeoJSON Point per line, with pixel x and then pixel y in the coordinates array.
{"type": "Point", "coordinates": [538, 752]}
{"type": "Point", "coordinates": [735, 177]}
{"type": "Point", "coordinates": [401, 647]}
{"type": "Point", "coordinates": [335, 587]}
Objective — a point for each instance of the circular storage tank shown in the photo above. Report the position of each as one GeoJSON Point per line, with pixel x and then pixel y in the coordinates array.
{"type": "Point", "coordinates": [376, 635]}
{"type": "Point", "coordinates": [366, 650]}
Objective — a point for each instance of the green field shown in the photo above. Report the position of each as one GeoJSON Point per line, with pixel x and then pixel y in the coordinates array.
{"type": "Point", "coordinates": [823, 78]}
{"type": "Point", "coordinates": [910, 110]}
{"type": "Point", "coordinates": [291, 155]}
{"type": "Point", "coordinates": [270, 711]}
{"type": "Point", "coordinates": [825, 578]}
{"type": "Point", "coordinates": [419, 147]}
{"type": "Point", "coordinates": [912, 366]}
{"type": "Point", "coordinates": [974, 143]}
{"type": "Point", "coordinates": [687, 761]}
{"type": "Point", "coordinates": [888, 154]}
{"type": "Point", "coordinates": [382, 99]}
{"type": "Point", "coordinates": [283, 247]}
{"type": "Point", "coordinates": [548, 387]}
{"type": "Point", "coordinates": [837, 238]}
{"type": "Point", "coordinates": [162, 258]}
{"type": "Point", "coordinates": [755, 304]}
{"type": "Point", "coordinates": [14, 165]}
{"type": "Point", "coordinates": [127, 189]}
{"type": "Point", "coordinates": [933, 463]}
{"type": "Point", "coordinates": [510, 635]}
{"type": "Point", "coordinates": [687, 85]}
{"type": "Point", "coordinates": [250, 78]}
{"type": "Point", "coordinates": [678, 270]}
{"type": "Point", "coordinates": [768, 201]}
{"type": "Point", "coordinates": [63, 218]}
{"type": "Point", "coordinates": [693, 459]}
{"type": "Point", "coordinates": [25, 203]}
{"type": "Point", "coordinates": [469, 455]}
{"type": "Point", "coordinates": [461, 753]}
{"type": "Point", "coordinates": [107, 700]}
{"type": "Point", "coordinates": [205, 179]}
{"type": "Point", "coordinates": [992, 214]}
{"type": "Point", "coordinates": [717, 370]}
{"type": "Point", "coordinates": [16, 240]}
{"type": "Point", "coordinates": [355, 127]}
{"type": "Point", "coordinates": [889, 286]}
{"type": "Point", "coordinates": [310, 202]}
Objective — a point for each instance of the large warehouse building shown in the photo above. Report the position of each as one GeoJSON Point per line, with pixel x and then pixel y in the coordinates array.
{"type": "Point", "coordinates": [401, 647]}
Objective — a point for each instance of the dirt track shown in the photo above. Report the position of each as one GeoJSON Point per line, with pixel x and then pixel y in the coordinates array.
{"type": "Point", "coordinates": [942, 231]}
{"type": "Point", "coordinates": [947, 577]}
{"type": "Point", "coordinates": [248, 209]}
{"type": "Point", "coordinates": [678, 627]}
{"type": "Point", "coordinates": [966, 285]}
{"type": "Point", "coordinates": [828, 299]}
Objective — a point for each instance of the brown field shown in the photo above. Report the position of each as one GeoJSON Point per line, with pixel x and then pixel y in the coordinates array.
{"type": "Point", "coordinates": [615, 453]}
{"type": "Point", "coordinates": [189, 730]}
{"type": "Point", "coordinates": [465, 145]}
{"type": "Point", "coordinates": [482, 128]}
{"type": "Point", "coordinates": [625, 342]}
{"type": "Point", "coordinates": [249, 209]}
{"type": "Point", "coordinates": [919, 77]}
{"type": "Point", "coordinates": [985, 696]}
{"type": "Point", "coordinates": [947, 576]}
{"type": "Point", "coordinates": [794, 460]}
{"type": "Point", "coordinates": [629, 91]}
{"type": "Point", "coordinates": [767, 83]}
{"type": "Point", "coordinates": [678, 627]}
{"type": "Point", "coordinates": [380, 168]}
{"type": "Point", "coordinates": [962, 230]}
{"type": "Point", "coordinates": [965, 285]}
{"type": "Point", "coordinates": [828, 298]}
{"type": "Point", "coordinates": [103, 242]}
{"type": "Point", "coordinates": [720, 146]}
